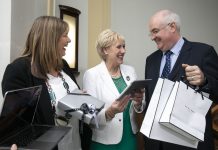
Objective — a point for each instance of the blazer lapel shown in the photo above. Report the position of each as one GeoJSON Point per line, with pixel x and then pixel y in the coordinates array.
{"type": "Point", "coordinates": [107, 80]}
{"type": "Point", "coordinates": [128, 78]}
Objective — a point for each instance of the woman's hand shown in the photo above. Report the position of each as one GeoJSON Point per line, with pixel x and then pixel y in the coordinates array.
{"type": "Point", "coordinates": [116, 107]}
{"type": "Point", "coordinates": [14, 147]}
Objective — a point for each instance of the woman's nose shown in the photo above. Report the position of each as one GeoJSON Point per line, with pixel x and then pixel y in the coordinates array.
{"type": "Point", "coordinates": [123, 49]}
{"type": "Point", "coordinates": [69, 40]}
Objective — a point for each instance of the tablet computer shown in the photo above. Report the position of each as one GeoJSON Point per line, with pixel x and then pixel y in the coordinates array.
{"type": "Point", "coordinates": [135, 85]}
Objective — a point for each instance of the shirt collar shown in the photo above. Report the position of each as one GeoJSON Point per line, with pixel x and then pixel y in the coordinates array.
{"type": "Point", "coordinates": [178, 46]}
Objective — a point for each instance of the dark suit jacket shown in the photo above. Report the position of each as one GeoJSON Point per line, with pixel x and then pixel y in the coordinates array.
{"type": "Point", "coordinates": [192, 53]}
{"type": "Point", "coordinates": [18, 75]}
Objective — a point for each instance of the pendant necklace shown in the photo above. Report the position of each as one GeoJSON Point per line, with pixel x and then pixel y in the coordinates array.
{"type": "Point", "coordinates": [51, 92]}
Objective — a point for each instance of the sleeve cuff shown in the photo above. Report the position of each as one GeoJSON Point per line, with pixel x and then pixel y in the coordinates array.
{"type": "Point", "coordinates": [139, 109]}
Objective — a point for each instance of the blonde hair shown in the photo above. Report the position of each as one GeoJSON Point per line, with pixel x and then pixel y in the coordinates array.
{"type": "Point", "coordinates": [105, 40]}
{"type": "Point", "coordinates": [42, 45]}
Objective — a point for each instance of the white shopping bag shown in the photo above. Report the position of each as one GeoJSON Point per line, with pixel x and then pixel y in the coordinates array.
{"type": "Point", "coordinates": [151, 127]}
{"type": "Point", "coordinates": [185, 112]}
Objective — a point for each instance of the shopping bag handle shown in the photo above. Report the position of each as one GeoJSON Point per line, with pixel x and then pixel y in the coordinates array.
{"type": "Point", "coordinates": [196, 88]}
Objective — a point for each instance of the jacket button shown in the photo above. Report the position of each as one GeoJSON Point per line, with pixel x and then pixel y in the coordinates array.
{"type": "Point", "coordinates": [119, 120]}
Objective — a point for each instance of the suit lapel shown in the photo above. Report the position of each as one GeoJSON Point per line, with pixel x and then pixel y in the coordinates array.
{"type": "Point", "coordinates": [177, 70]}
{"type": "Point", "coordinates": [156, 65]}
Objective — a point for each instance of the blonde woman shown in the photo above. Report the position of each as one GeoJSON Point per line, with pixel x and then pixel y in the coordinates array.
{"type": "Point", "coordinates": [117, 126]}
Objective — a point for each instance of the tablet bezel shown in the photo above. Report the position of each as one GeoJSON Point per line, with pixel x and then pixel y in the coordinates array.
{"type": "Point", "coordinates": [137, 84]}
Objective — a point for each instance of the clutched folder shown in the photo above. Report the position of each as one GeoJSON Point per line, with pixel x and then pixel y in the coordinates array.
{"type": "Point", "coordinates": [75, 100]}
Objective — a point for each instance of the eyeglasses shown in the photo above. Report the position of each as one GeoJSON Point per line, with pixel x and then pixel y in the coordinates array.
{"type": "Point", "coordinates": [155, 31]}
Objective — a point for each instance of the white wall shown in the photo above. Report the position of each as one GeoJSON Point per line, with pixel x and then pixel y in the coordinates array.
{"type": "Point", "coordinates": [16, 19]}
{"type": "Point", "coordinates": [23, 14]}
{"type": "Point", "coordinates": [5, 30]}
{"type": "Point", "coordinates": [130, 18]}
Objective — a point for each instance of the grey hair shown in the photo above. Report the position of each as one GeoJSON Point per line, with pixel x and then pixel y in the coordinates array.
{"type": "Point", "coordinates": [105, 40]}
{"type": "Point", "coordinates": [169, 17]}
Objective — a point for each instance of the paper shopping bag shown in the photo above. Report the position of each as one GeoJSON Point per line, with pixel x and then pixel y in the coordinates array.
{"type": "Point", "coordinates": [185, 112]}
{"type": "Point", "coordinates": [151, 127]}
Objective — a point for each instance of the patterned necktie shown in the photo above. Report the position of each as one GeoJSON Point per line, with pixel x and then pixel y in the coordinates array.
{"type": "Point", "coordinates": [166, 69]}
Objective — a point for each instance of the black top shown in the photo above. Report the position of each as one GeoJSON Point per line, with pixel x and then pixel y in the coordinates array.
{"type": "Point", "coordinates": [18, 75]}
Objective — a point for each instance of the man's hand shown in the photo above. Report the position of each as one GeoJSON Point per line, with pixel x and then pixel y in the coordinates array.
{"type": "Point", "coordinates": [194, 75]}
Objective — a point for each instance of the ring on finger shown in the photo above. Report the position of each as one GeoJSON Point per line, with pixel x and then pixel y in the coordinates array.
{"type": "Point", "coordinates": [192, 78]}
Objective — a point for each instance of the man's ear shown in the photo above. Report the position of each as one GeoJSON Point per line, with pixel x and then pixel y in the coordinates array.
{"type": "Point", "coordinates": [105, 51]}
{"type": "Point", "coordinates": [173, 26]}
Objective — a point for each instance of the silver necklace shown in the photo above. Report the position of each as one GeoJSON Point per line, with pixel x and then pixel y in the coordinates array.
{"type": "Point", "coordinates": [116, 75]}
{"type": "Point", "coordinates": [65, 118]}
{"type": "Point", "coordinates": [51, 91]}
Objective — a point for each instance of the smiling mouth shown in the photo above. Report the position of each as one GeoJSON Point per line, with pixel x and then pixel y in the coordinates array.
{"type": "Point", "coordinates": [120, 57]}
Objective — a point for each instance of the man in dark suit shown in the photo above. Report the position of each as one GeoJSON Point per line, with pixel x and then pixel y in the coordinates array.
{"type": "Point", "coordinates": [198, 62]}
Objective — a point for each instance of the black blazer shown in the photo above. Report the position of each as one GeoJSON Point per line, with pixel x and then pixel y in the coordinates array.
{"type": "Point", "coordinates": [18, 75]}
{"type": "Point", "coordinates": [192, 53]}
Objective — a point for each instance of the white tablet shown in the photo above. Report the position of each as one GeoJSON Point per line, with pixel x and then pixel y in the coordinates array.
{"type": "Point", "coordinates": [137, 84]}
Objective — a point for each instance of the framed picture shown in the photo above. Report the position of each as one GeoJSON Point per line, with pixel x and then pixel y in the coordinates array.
{"type": "Point", "coordinates": [71, 16]}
